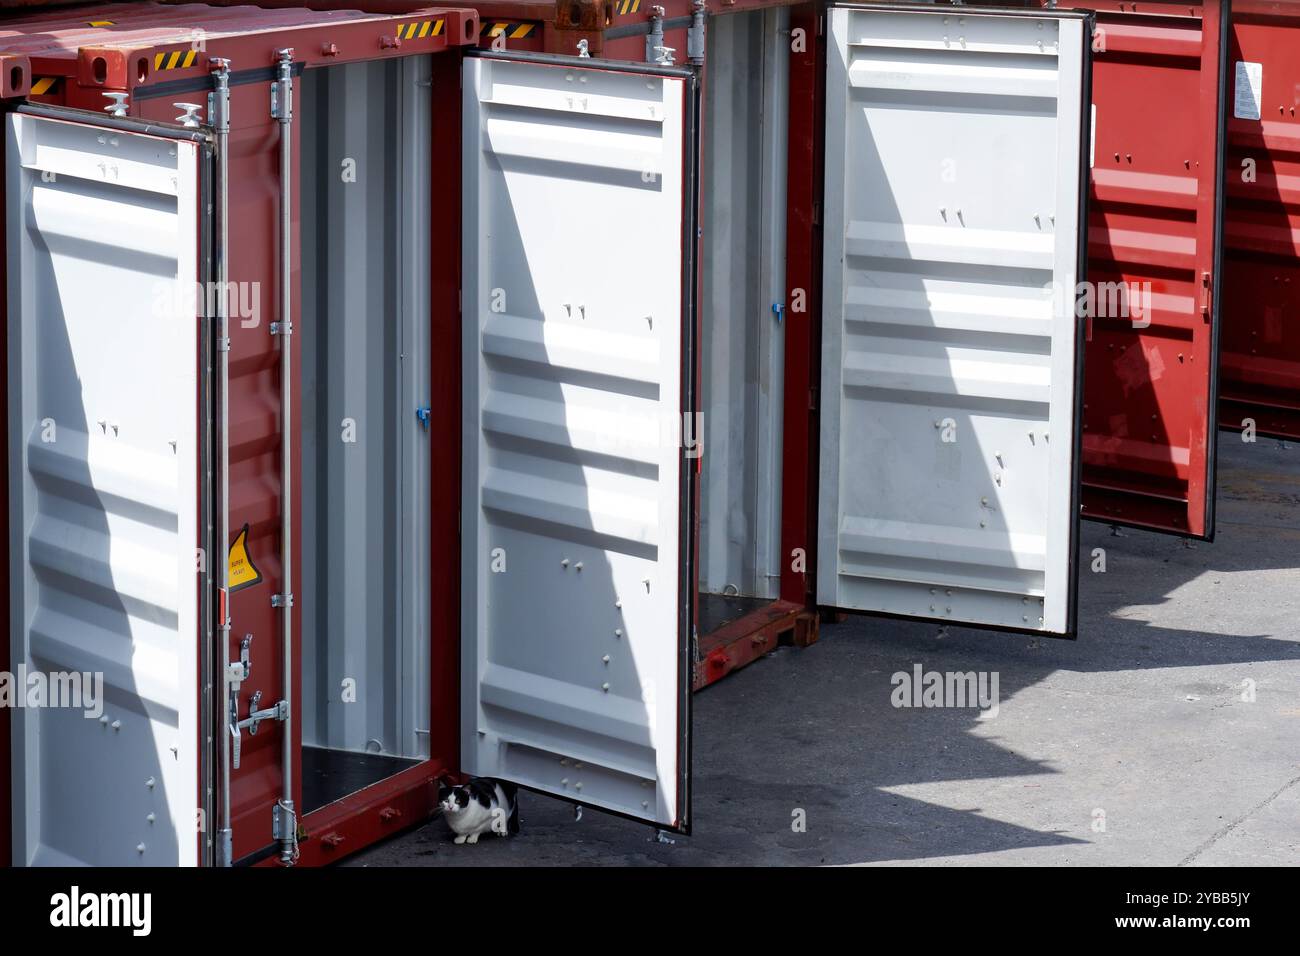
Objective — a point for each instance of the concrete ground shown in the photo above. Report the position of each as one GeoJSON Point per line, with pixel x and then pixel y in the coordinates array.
{"type": "Point", "coordinates": [1136, 744]}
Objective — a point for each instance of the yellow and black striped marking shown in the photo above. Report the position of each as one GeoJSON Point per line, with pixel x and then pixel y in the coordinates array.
{"type": "Point", "coordinates": [176, 60]}
{"type": "Point", "coordinates": [420, 29]}
{"type": "Point", "coordinates": [99, 23]}
{"type": "Point", "coordinates": [511, 31]}
{"type": "Point", "coordinates": [628, 6]}
{"type": "Point", "coordinates": [45, 85]}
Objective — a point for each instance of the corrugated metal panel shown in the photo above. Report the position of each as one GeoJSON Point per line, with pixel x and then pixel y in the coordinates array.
{"type": "Point", "coordinates": [365, 554]}
{"type": "Point", "coordinates": [573, 391]}
{"type": "Point", "coordinates": [743, 271]}
{"type": "Point", "coordinates": [1148, 452]}
{"type": "Point", "coordinates": [953, 159]}
{"type": "Point", "coordinates": [1260, 363]}
{"type": "Point", "coordinates": [102, 237]}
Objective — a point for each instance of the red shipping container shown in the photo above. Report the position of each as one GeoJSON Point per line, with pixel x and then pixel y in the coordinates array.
{"type": "Point", "coordinates": [1260, 363]}
{"type": "Point", "coordinates": [1150, 411]}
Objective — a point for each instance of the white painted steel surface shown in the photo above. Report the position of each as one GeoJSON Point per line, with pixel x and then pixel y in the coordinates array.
{"type": "Point", "coordinates": [573, 237]}
{"type": "Point", "coordinates": [742, 350]}
{"type": "Point", "coordinates": [953, 155]}
{"type": "Point", "coordinates": [103, 336]}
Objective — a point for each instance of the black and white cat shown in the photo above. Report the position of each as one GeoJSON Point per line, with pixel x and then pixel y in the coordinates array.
{"type": "Point", "coordinates": [481, 806]}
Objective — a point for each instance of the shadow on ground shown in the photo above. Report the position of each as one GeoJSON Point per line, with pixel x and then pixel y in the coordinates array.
{"type": "Point", "coordinates": [1168, 733]}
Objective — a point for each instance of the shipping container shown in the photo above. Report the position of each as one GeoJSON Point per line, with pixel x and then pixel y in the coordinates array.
{"type": "Point", "coordinates": [1260, 364]}
{"type": "Point", "coordinates": [1154, 264]}
{"type": "Point", "coordinates": [335, 223]}
{"type": "Point", "coordinates": [463, 520]}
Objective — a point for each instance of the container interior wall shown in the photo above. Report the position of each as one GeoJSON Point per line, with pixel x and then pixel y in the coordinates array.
{"type": "Point", "coordinates": [366, 365]}
{"type": "Point", "coordinates": [743, 275]}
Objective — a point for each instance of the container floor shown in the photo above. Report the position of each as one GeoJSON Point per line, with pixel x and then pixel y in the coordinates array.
{"type": "Point", "coordinates": [716, 610]}
{"type": "Point", "coordinates": [329, 775]}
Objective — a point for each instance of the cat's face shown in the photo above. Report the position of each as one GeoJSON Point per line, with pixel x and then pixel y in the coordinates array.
{"type": "Point", "coordinates": [454, 799]}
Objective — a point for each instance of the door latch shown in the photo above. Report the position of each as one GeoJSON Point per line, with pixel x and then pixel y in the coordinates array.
{"type": "Point", "coordinates": [235, 677]}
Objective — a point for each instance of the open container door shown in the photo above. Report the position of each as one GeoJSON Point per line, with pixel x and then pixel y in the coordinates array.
{"type": "Point", "coordinates": [956, 143]}
{"type": "Point", "coordinates": [106, 436]}
{"type": "Point", "coordinates": [1156, 205]}
{"type": "Point", "coordinates": [578, 589]}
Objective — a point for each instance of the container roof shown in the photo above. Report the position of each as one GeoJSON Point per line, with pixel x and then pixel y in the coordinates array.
{"type": "Point", "coordinates": [121, 46]}
{"type": "Point", "coordinates": [55, 32]}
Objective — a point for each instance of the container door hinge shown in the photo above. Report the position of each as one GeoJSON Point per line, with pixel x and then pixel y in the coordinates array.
{"type": "Point", "coordinates": [281, 600]}
{"type": "Point", "coordinates": [282, 328]}
{"type": "Point", "coordinates": [223, 344]}
{"type": "Point", "coordinates": [284, 830]}
{"type": "Point", "coordinates": [654, 38]}
{"type": "Point", "coordinates": [225, 848]}
{"type": "Point", "coordinates": [695, 34]}
{"type": "Point", "coordinates": [219, 98]}
{"type": "Point", "coordinates": [282, 92]}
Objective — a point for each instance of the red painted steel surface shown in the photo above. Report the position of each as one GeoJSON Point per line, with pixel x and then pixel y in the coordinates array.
{"type": "Point", "coordinates": [1260, 360]}
{"type": "Point", "coordinates": [799, 459]}
{"type": "Point", "coordinates": [84, 61]}
{"type": "Point", "coordinates": [1148, 420]}
{"type": "Point", "coordinates": [61, 48]}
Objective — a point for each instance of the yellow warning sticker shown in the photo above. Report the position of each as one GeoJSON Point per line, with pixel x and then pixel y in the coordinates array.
{"type": "Point", "coordinates": [243, 572]}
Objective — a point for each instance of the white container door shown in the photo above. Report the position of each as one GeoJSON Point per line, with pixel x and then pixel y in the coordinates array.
{"type": "Point", "coordinates": [104, 352]}
{"type": "Point", "coordinates": [578, 590]}
{"type": "Point", "coordinates": [956, 164]}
